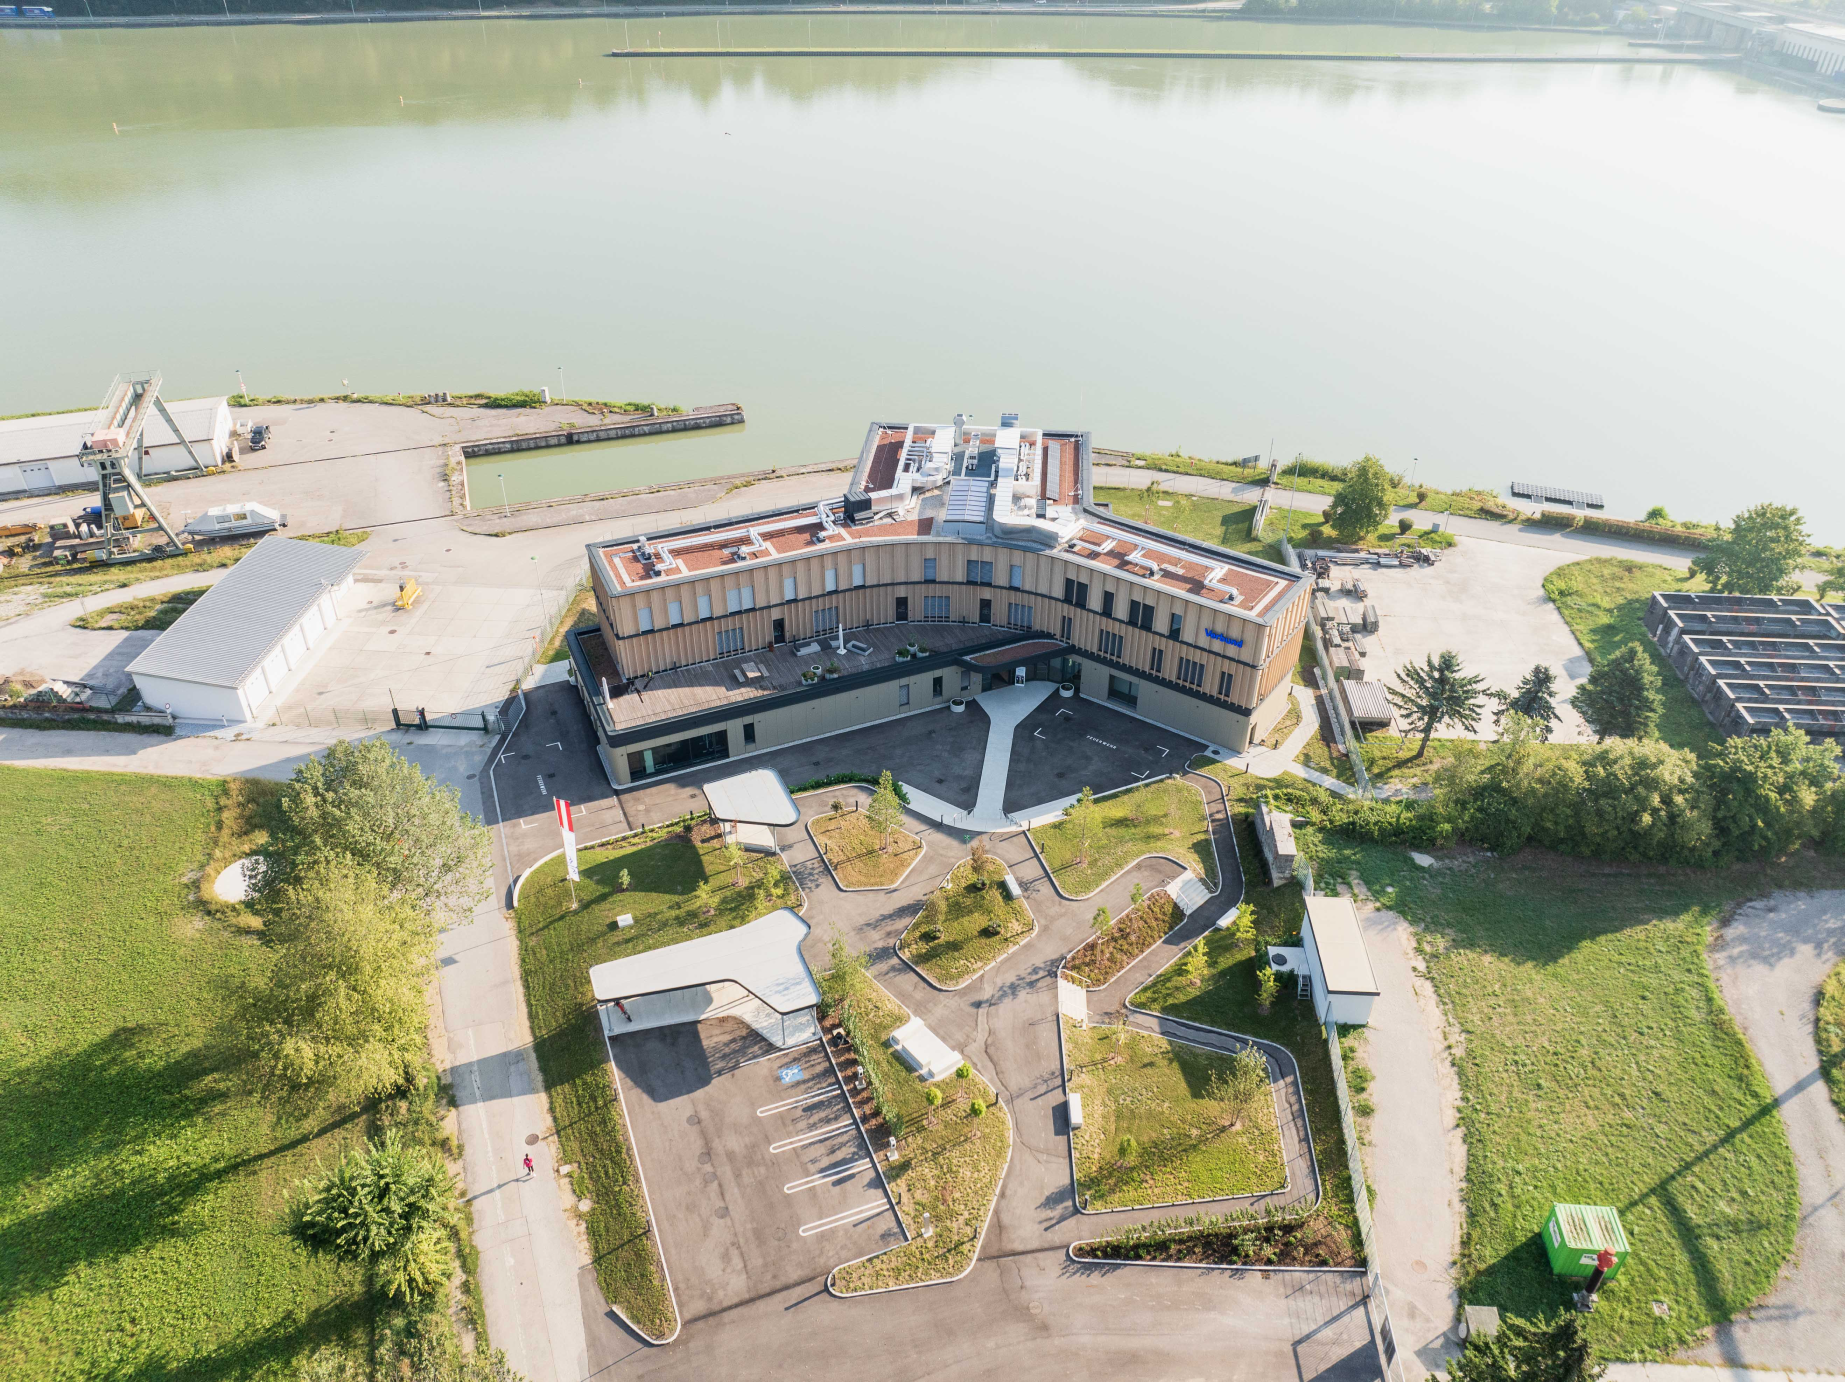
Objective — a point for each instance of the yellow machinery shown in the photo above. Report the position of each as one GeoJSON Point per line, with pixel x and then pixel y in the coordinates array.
{"type": "Point", "coordinates": [407, 593]}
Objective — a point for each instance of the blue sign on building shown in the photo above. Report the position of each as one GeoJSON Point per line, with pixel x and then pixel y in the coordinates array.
{"type": "Point", "coordinates": [1223, 638]}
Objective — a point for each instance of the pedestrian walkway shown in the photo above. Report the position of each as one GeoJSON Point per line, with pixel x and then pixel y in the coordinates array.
{"type": "Point", "coordinates": [1005, 707]}
{"type": "Point", "coordinates": [1683, 1372]}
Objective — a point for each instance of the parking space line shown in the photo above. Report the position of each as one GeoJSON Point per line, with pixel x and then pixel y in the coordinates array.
{"type": "Point", "coordinates": [828, 1176]}
{"type": "Point", "coordinates": [801, 1101]}
{"type": "Point", "coordinates": [850, 1216]}
{"type": "Point", "coordinates": [777, 1054]}
{"type": "Point", "coordinates": [814, 1136]}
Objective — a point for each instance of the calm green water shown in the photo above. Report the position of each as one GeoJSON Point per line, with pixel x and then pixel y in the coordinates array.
{"type": "Point", "coordinates": [1624, 278]}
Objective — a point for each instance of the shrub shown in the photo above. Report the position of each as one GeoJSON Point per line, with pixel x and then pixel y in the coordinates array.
{"type": "Point", "coordinates": [1128, 1149]}
{"type": "Point", "coordinates": [388, 1208]}
{"type": "Point", "coordinates": [625, 881]}
{"type": "Point", "coordinates": [817, 784]}
{"type": "Point", "coordinates": [1768, 793]}
{"type": "Point", "coordinates": [1405, 523]}
{"type": "Point", "coordinates": [518, 398]}
{"type": "Point", "coordinates": [1634, 800]}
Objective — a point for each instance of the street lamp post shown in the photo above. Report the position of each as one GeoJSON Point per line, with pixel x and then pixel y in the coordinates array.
{"type": "Point", "coordinates": [505, 508]}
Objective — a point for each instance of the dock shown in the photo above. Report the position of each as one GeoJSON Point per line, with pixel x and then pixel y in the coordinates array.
{"type": "Point", "coordinates": [699, 419]}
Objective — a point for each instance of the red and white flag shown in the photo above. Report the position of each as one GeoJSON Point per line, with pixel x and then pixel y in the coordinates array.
{"type": "Point", "coordinates": [565, 824]}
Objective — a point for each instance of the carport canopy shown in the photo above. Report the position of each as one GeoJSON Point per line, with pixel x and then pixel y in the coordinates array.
{"type": "Point", "coordinates": [758, 797]}
{"type": "Point", "coordinates": [763, 957]}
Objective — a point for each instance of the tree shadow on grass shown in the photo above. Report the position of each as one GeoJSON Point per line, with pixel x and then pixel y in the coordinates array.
{"type": "Point", "coordinates": [344, 1324]}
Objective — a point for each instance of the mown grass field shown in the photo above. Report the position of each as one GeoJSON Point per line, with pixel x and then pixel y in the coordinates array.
{"type": "Point", "coordinates": [857, 852]}
{"type": "Point", "coordinates": [1604, 600]}
{"type": "Point", "coordinates": [1142, 1087]}
{"type": "Point", "coordinates": [965, 927]}
{"type": "Point", "coordinates": [949, 1163]}
{"type": "Point", "coordinates": [1166, 818]}
{"type": "Point", "coordinates": [557, 946]}
{"type": "Point", "coordinates": [142, 1191]}
{"type": "Point", "coordinates": [1599, 1065]}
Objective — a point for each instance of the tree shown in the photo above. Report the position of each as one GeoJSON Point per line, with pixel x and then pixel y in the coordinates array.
{"type": "Point", "coordinates": [388, 1208]}
{"type": "Point", "coordinates": [885, 813]}
{"type": "Point", "coordinates": [1631, 799]}
{"type": "Point", "coordinates": [1535, 698]}
{"type": "Point", "coordinates": [1530, 1351]}
{"type": "Point", "coordinates": [1363, 501]}
{"type": "Point", "coordinates": [1267, 987]}
{"type": "Point", "coordinates": [1082, 814]}
{"type": "Point", "coordinates": [1101, 920]}
{"type": "Point", "coordinates": [1243, 925]}
{"type": "Point", "coordinates": [1621, 698]}
{"type": "Point", "coordinates": [1436, 693]}
{"type": "Point", "coordinates": [1759, 554]}
{"type": "Point", "coordinates": [367, 803]}
{"type": "Point", "coordinates": [1137, 896]}
{"type": "Point", "coordinates": [704, 898]}
{"type": "Point", "coordinates": [1768, 793]}
{"type": "Point", "coordinates": [734, 860]}
{"type": "Point", "coordinates": [1657, 514]}
{"type": "Point", "coordinates": [342, 1016]}
{"type": "Point", "coordinates": [1832, 578]}
{"type": "Point", "coordinates": [1242, 1085]}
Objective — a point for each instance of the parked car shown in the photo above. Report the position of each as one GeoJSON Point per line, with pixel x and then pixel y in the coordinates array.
{"type": "Point", "coordinates": [259, 436]}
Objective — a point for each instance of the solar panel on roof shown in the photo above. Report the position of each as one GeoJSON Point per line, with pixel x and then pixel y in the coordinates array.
{"type": "Point", "coordinates": [967, 501]}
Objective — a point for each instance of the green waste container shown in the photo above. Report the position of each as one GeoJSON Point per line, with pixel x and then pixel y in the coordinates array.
{"type": "Point", "coordinates": [1574, 1235]}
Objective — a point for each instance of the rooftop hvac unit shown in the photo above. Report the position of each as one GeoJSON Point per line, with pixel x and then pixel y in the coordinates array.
{"type": "Point", "coordinates": [858, 506]}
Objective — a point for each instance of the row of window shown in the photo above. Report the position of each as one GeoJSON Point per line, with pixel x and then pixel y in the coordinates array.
{"type": "Point", "coordinates": [1188, 672]}
{"type": "Point", "coordinates": [739, 598]}
{"type": "Point", "coordinates": [1140, 615]}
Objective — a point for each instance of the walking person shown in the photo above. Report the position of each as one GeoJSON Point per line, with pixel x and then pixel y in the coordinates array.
{"type": "Point", "coordinates": [529, 1168]}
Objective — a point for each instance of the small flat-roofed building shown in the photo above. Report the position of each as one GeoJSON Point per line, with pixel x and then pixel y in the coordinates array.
{"type": "Point", "coordinates": [229, 656]}
{"type": "Point", "coordinates": [1344, 984]}
{"type": "Point", "coordinates": [754, 973]}
{"type": "Point", "coordinates": [38, 455]}
{"type": "Point", "coordinates": [749, 806]}
{"type": "Point", "coordinates": [1275, 831]}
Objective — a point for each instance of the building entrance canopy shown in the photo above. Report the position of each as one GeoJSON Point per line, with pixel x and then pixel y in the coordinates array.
{"type": "Point", "coordinates": [758, 797]}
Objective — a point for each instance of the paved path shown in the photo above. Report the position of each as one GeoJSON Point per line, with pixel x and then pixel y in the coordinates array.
{"type": "Point", "coordinates": [1769, 962]}
{"type": "Point", "coordinates": [43, 641]}
{"type": "Point", "coordinates": [1682, 1372]}
{"type": "Point", "coordinates": [1004, 708]}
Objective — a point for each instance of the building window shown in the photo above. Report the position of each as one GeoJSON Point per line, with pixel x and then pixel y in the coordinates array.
{"type": "Point", "coordinates": [1019, 616]}
{"type": "Point", "coordinates": [928, 568]}
{"type": "Point", "coordinates": [1224, 682]}
{"type": "Point", "coordinates": [1176, 628]}
{"type": "Point", "coordinates": [858, 573]}
{"type": "Point", "coordinates": [935, 609]}
{"type": "Point", "coordinates": [704, 606]}
{"type": "Point", "coordinates": [967, 678]}
{"type": "Point", "coordinates": [645, 617]}
{"type": "Point", "coordinates": [749, 731]}
{"type": "Point", "coordinates": [1134, 612]}
{"type": "Point", "coordinates": [1108, 604]}
{"type": "Point", "coordinates": [666, 758]}
{"type": "Point", "coordinates": [1065, 630]}
{"type": "Point", "coordinates": [742, 598]}
{"type": "Point", "coordinates": [1146, 617]}
{"type": "Point", "coordinates": [729, 641]}
{"type": "Point", "coordinates": [1018, 578]}
{"type": "Point", "coordinates": [1108, 643]}
{"type": "Point", "coordinates": [1191, 673]}
{"type": "Point", "coordinates": [1125, 691]}
{"type": "Point", "coordinates": [903, 694]}
{"type": "Point", "coordinates": [980, 573]}
{"type": "Point", "coordinates": [675, 613]}
{"type": "Point", "coordinates": [826, 620]}
{"type": "Point", "coordinates": [903, 609]}
{"type": "Point", "coordinates": [1156, 661]}
{"type": "Point", "coordinates": [1076, 593]}
{"type": "Point", "coordinates": [787, 587]}
{"type": "Point", "coordinates": [832, 578]}
{"type": "Point", "coordinates": [935, 691]}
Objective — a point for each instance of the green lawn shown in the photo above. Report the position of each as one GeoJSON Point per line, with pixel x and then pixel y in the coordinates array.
{"type": "Point", "coordinates": [1166, 818]}
{"type": "Point", "coordinates": [1829, 1034]}
{"type": "Point", "coordinates": [557, 946]}
{"type": "Point", "coordinates": [1599, 1065]}
{"type": "Point", "coordinates": [1098, 960]}
{"type": "Point", "coordinates": [144, 612]}
{"type": "Point", "coordinates": [1222, 522]}
{"type": "Point", "coordinates": [1142, 1087]}
{"type": "Point", "coordinates": [1286, 725]}
{"type": "Point", "coordinates": [857, 852]}
{"type": "Point", "coordinates": [1604, 600]}
{"type": "Point", "coordinates": [964, 928]}
{"type": "Point", "coordinates": [579, 614]}
{"type": "Point", "coordinates": [142, 1191]}
{"type": "Point", "coordinates": [949, 1162]}
{"type": "Point", "coordinates": [47, 585]}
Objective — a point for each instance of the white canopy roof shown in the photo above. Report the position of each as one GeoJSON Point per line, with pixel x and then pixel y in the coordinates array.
{"type": "Point", "coordinates": [764, 957]}
{"type": "Point", "coordinates": [758, 797]}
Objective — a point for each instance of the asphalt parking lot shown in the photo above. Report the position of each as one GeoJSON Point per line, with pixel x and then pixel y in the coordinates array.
{"type": "Point", "coordinates": [758, 1174]}
{"type": "Point", "coordinates": [1066, 745]}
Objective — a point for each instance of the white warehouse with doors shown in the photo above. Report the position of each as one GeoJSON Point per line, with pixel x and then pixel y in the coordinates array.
{"type": "Point", "coordinates": [251, 636]}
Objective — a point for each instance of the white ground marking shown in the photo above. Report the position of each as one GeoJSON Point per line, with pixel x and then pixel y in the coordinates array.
{"type": "Point", "coordinates": [779, 1054]}
{"type": "Point", "coordinates": [827, 1177]}
{"type": "Point", "coordinates": [799, 1102]}
{"type": "Point", "coordinates": [864, 1211]}
{"type": "Point", "coordinates": [813, 1136]}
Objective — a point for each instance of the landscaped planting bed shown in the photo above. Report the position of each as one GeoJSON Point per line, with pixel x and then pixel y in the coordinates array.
{"type": "Point", "coordinates": [1829, 1034]}
{"type": "Point", "coordinates": [965, 926]}
{"type": "Point", "coordinates": [860, 857]}
{"type": "Point", "coordinates": [1152, 1131]}
{"type": "Point", "coordinates": [143, 612]}
{"type": "Point", "coordinates": [1101, 958]}
{"type": "Point", "coordinates": [950, 1159]}
{"type": "Point", "coordinates": [557, 946]}
{"type": "Point", "coordinates": [1227, 1240]}
{"type": "Point", "coordinates": [1165, 818]}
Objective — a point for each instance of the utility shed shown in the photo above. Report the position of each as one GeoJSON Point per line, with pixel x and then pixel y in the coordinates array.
{"type": "Point", "coordinates": [229, 656]}
{"type": "Point", "coordinates": [38, 455]}
{"type": "Point", "coordinates": [1344, 984]}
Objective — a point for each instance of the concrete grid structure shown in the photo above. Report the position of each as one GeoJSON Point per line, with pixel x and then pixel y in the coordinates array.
{"type": "Point", "coordinates": [960, 558]}
{"type": "Point", "coordinates": [1756, 663]}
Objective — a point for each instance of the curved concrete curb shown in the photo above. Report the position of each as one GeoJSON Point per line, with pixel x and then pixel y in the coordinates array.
{"type": "Point", "coordinates": [1063, 964]}
{"type": "Point", "coordinates": [1070, 1253]}
{"type": "Point", "coordinates": [820, 849]}
{"type": "Point", "coordinates": [937, 985]}
{"type": "Point", "coordinates": [653, 1224]}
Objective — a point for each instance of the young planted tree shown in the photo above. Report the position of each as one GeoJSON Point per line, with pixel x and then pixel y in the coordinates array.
{"type": "Point", "coordinates": [388, 1208]}
{"type": "Point", "coordinates": [734, 860]}
{"type": "Point", "coordinates": [1137, 896]}
{"type": "Point", "coordinates": [624, 882]}
{"type": "Point", "coordinates": [342, 1015]}
{"type": "Point", "coordinates": [1535, 697]}
{"type": "Point", "coordinates": [704, 898]}
{"type": "Point", "coordinates": [1243, 925]}
{"type": "Point", "coordinates": [367, 803]}
{"type": "Point", "coordinates": [1437, 693]}
{"type": "Point", "coordinates": [1242, 1086]}
{"type": "Point", "coordinates": [1362, 502]}
{"type": "Point", "coordinates": [1082, 814]}
{"type": "Point", "coordinates": [885, 813]}
{"type": "Point", "coordinates": [1101, 920]}
{"type": "Point", "coordinates": [1267, 987]}
{"type": "Point", "coordinates": [1621, 698]}
{"type": "Point", "coordinates": [1758, 555]}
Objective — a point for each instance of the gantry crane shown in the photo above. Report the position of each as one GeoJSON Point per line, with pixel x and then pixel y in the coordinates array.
{"type": "Point", "coordinates": [119, 437]}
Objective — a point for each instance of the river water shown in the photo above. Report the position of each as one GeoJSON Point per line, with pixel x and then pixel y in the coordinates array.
{"type": "Point", "coordinates": [1619, 278]}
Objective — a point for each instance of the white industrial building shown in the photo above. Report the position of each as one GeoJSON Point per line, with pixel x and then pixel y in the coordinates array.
{"type": "Point", "coordinates": [38, 455]}
{"type": "Point", "coordinates": [1344, 984]}
{"type": "Point", "coordinates": [230, 655]}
